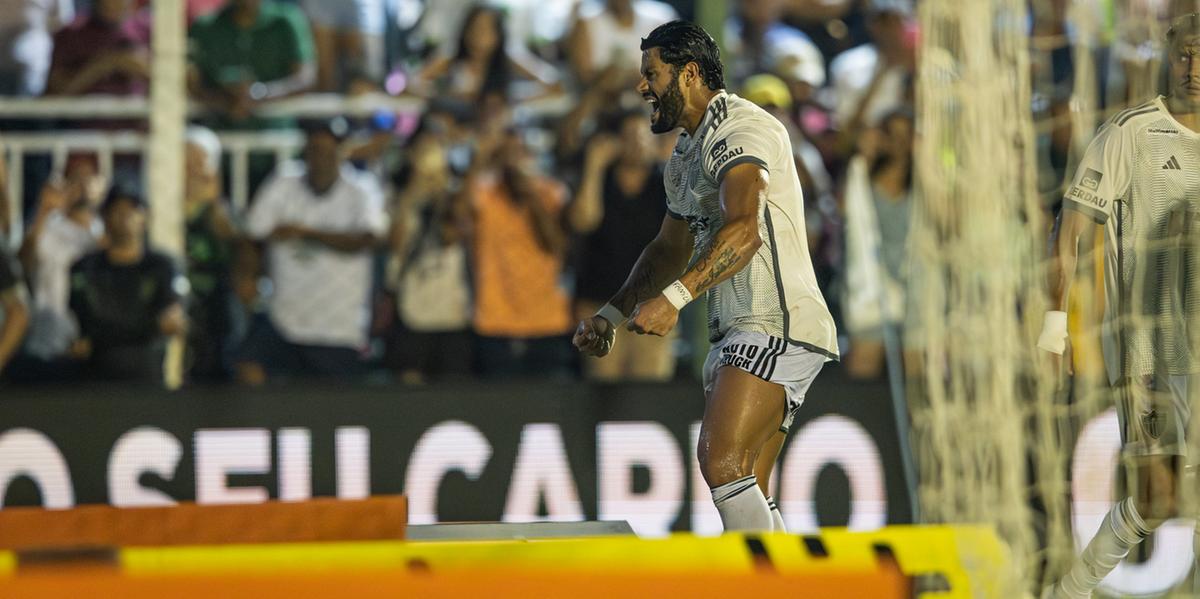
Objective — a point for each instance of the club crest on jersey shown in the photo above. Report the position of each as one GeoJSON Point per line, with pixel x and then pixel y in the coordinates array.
{"type": "Point", "coordinates": [1150, 423]}
{"type": "Point", "coordinates": [718, 149]}
{"type": "Point", "coordinates": [722, 154]}
{"type": "Point", "coordinates": [1091, 179]}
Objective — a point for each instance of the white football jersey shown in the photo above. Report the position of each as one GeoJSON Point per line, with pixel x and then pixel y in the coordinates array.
{"type": "Point", "coordinates": [777, 293]}
{"type": "Point", "coordinates": [1140, 177]}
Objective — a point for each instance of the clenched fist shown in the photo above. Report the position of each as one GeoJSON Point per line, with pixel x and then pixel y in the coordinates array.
{"type": "Point", "coordinates": [594, 336]}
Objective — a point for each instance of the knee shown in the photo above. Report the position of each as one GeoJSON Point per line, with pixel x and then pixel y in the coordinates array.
{"type": "Point", "coordinates": [1156, 510]}
{"type": "Point", "coordinates": [720, 465]}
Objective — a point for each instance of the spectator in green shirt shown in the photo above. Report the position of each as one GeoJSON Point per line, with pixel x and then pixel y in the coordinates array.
{"type": "Point", "coordinates": [249, 52]}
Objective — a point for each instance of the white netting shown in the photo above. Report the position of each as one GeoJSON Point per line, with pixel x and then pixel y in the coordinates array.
{"type": "Point", "coordinates": [976, 256]}
{"type": "Point", "coordinates": [995, 438]}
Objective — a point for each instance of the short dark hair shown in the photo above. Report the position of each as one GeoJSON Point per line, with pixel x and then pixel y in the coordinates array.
{"type": "Point", "coordinates": [1181, 27]}
{"type": "Point", "coordinates": [123, 190]}
{"type": "Point", "coordinates": [681, 42]}
{"type": "Point", "coordinates": [336, 127]}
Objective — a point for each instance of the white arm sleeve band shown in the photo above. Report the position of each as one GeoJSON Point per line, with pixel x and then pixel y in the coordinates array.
{"type": "Point", "coordinates": [1054, 332]}
{"type": "Point", "coordinates": [677, 293]}
{"type": "Point", "coordinates": [610, 313]}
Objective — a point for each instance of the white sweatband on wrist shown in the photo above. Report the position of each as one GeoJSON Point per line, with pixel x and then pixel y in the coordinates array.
{"type": "Point", "coordinates": [610, 313]}
{"type": "Point", "coordinates": [677, 293]}
{"type": "Point", "coordinates": [1054, 332]}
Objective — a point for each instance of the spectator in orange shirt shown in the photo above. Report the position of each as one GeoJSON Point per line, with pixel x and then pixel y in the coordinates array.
{"type": "Point", "coordinates": [519, 241]}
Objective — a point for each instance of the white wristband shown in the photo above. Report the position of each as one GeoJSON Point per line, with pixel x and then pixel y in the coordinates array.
{"type": "Point", "coordinates": [677, 293]}
{"type": "Point", "coordinates": [1054, 332]}
{"type": "Point", "coordinates": [610, 313]}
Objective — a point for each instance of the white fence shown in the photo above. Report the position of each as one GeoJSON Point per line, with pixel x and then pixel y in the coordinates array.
{"type": "Point", "coordinates": [105, 145]}
{"type": "Point", "coordinates": [59, 144]}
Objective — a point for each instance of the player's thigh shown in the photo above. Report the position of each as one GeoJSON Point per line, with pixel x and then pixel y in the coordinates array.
{"type": "Point", "coordinates": [741, 414]}
{"type": "Point", "coordinates": [768, 456]}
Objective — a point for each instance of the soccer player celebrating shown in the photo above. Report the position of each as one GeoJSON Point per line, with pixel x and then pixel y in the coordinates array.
{"type": "Point", "coordinates": [1140, 178]}
{"type": "Point", "coordinates": [734, 229]}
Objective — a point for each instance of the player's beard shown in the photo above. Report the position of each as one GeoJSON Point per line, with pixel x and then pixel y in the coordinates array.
{"type": "Point", "coordinates": [670, 109]}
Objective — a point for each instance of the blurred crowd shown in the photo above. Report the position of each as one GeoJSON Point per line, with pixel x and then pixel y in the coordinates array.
{"type": "Point", "coordinates": [464, 239]}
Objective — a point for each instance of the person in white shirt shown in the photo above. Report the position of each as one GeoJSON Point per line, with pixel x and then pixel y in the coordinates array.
{"type": "Point", "coordinates": [875, 79]}
{"type": "Point", "coordinates": [605, 37]}
{"type": "Point", "coordinates": [734, 230]}
{"type": "Point", "coordinates": [26, 42]}
{"type": "Point", "coordinates": [66, 227]}
{"type": "Point", "coordinates": [758, 41]}
{"type": "Point", "coordinates": [319, 220]}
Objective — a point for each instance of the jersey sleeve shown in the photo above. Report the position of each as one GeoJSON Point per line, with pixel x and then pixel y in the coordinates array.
{"type": "Point", "coordinates": [737, 142]}
{"type": "Point", "coordinates": [1103, 175]}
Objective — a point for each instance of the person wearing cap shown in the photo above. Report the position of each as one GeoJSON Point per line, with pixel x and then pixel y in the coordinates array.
{"type": "Point", "coordinates": [127, 297]}
{"type": "Point", "coordinates": [213, 309]}
{"type": "Point", "coordinates": [319, 221]}
{"type": "Point", "coordinates": [1140, 180]}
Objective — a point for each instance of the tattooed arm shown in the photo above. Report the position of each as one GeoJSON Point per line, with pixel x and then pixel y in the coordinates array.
{"type": "Point", "coordinates": [742, 191]}
{"type": "Point", "coordinates": [660, 263]}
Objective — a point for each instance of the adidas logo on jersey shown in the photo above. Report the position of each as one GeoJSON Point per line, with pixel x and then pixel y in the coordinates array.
{"type": "Point", "coordinates": [1172, 165]}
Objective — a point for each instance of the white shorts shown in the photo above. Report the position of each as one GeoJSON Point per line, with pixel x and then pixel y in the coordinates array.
{"type": "Point", "coordinates": [771, 359]}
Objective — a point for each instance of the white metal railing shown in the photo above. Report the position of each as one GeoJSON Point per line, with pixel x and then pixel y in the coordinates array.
{"type": "Point", "coordinates": [282, 145]}
{"type": "Point", "coordinates": [104, 107]}
{"type": "Point", "coordinates": [98, 107]}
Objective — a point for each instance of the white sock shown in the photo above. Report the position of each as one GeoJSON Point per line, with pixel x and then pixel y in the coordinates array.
{"type": "Point", "coordinates": [776, 517]}
{"type": "Point", "coordinates": [1121, 530]}
{"type": "Point", "coordinates": [742, 505]}
{"type": "Point", "coordinates": [1196, 559]}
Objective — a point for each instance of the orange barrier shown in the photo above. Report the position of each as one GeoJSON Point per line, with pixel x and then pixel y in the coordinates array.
{"type": "Point", "coordinates": [376, 518]}
{"type": "Point", "coordinates": [883, 584]}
